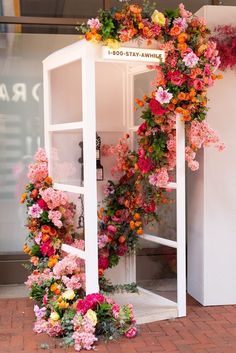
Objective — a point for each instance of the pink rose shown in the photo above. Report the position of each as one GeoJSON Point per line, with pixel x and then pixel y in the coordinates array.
{"type": "Point", "coordinates": [176, 77]}
{"type": "Point", "coordinates": [198, 84]}
{"type": "Point", "coordinates": [142, 128]}
{"type": "Point", "coordinates": [131, 332]}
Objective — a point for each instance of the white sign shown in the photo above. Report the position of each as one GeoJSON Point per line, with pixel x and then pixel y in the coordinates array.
{"type": "Point", "coordinates": [134, 54]}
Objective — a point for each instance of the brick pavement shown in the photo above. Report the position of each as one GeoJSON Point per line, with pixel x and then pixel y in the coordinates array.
{"type": "Point", "coordinates": [205, 329]}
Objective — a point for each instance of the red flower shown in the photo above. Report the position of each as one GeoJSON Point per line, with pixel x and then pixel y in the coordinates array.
{"type": "Point", "coordinates": [122, 249]}
{"type": "Point", "coordinates": [142, 129]}
{"type": "Point", "coordinates": [176, 77]}
{"type": "Point", "coordinates": [103, 262]}
{"type": "Point", "coordinates": [198, 84]}
{"type": "Point", "coordinates": [145, 164]}
{"type": "Point", "coordinates": [156, 107]}
{"type": "Point", "coordinates": [42, 204]}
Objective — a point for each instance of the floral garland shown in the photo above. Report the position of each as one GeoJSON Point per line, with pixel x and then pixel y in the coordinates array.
{"type": "Point", "coordinates": [225, 38]}
{"type": "Point", "coordinates": [57, 280]}
{"type": "Point", "coordinates": [180, 85]}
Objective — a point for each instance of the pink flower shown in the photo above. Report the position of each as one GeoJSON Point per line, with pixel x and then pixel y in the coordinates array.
{"type": "Point", "coordinates": [193, 165]}
{"type": "Point", "coordinates": [111, 228]}
{"type": "Point", "coordinates": [181, 22]}
{"type": "Point", "coordinates": [54, 198]}
{"type": "Point", "coordinates": [40, 155]}
{"type": "Point", "coordinates": [115, 310]}
{"type": "Point", "coordinates": [184, 13]}
{"type": "Point", "coordinates": [163, 96]}
{"type": "Point", "coordinates": [47, 249]}
{"type": "Point", "coordinates": [191, 59]}
{"type": "Point", "coordinates": [131, 332]}
{"type": "Point", "coordinates": [160, 178]}
{"type": "Point", "coordinates": [198, 84]}
{"type": "Point", "coordinates": [37, 172]}
{"type": "Point", "coordinates": [55, 217]}
{"type": "Point", "coordinates": [176, 77]}
{"type": "Point", "coordinates": [35, 211]}
{"type": "Point", "coordinates": [94, 23]}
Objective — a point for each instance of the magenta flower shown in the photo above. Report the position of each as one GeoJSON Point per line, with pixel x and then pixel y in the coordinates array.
{"type": "Point", "coordinates": [131, 332]}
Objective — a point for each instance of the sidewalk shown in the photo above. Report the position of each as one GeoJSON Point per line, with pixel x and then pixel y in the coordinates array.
{"type": "Point", "coordinates": [205, 329]}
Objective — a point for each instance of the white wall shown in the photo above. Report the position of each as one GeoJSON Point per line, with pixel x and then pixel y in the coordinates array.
{"type": "Point", "coordinates": [211, 194]}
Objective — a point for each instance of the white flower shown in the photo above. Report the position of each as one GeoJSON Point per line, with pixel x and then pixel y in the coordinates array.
{"type": "Point", "coordinates": [163, 96]}
{"type": "Point", "coordinates": [68, 294]}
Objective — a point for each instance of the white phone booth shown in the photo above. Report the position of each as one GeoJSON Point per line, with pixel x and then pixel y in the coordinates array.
{"type": "Point", "coordinates": [86, 92]}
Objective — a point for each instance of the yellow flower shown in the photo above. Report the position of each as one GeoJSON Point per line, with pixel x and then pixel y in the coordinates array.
{"type": "Point", "coordinates": [158, 18]}
{"type": "Point", "coordinates": [112, 43]}
{"type": "Point", "coordinates": [54, 316]}
{"type": "Point", "coordinates": [68, 294]}
{"type": "Point", "coordinates": [92, 316]}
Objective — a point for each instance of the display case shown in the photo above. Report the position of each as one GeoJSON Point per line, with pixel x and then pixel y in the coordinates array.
{"type": "Point", "coordinates": [86, 92]}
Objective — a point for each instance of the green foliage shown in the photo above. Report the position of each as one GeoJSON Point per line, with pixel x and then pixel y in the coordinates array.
{"type": "Point", "coordinates": [108, 24]}
{"type": "Point", "coordinates": [35, 250]}
{"type": "Point", "coordinates": [171, 14]}
{"type": "Point", "coordinates": [113, 260]}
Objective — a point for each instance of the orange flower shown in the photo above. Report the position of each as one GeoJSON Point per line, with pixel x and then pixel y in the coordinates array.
{"type": "Point", "coordinates": [45, 229]}
{"type": "Point", "coordinates": [137, 216]}
{"type": "Point", "coordinates": [23, 197]}
{"type": "Point", "coordinates": [136, 9]}
{"type": "Point", "coordinates": [34, 193]}
{"type": "Point", "coordinates": [139, 102]}
{"type": "Point", "coordinates": [88, 36]}
{"type": "Point", "coordinates": [140, 231]}
{"type": "Point", "coordinates": [174, 101]}
{"type": "Point", "coordinates": [182, 96]}
{"type": "Point", "coordinates": [45, 237]}
{"type": "Point", "coordinates": [150, 149]}
{"type": "Point", "coordinates": [182, 47]}
{"type": "Point", "coordinates": [118, 16]}
{"type": "Point", "coordinates": [55, 288]}
{"type": "Point", "coordinates": [122, 239]}
{"type": "Point", "coordinates": [132, 225]}
{"type": "Point", "coordinates": [182, 37]}
{"type": "Point", "coordinates": [52, 261]}
{"type": "Point", "coordinates": [179, 110]}
{"type": "Point", "coordinates": [192, 93]}
{"type": "Point", "coordinates": [52, 232]}
{"type": "Point", "coordinates": [34, 260]}
{"type": "Point", "coordinates": [195, 72]}
{"type": "Point", "coordinates": [48, 180]}
{"type": "Point", "coordinates": [138, 224]}
{"type": "Point", "coordinates": [175, 31]}
{"type": "Point", "coordinates": [171, 106]}
{"type": "Point", "coordinates": [100, 272]}
{"type": "Point", "coordinates": [62, 304]}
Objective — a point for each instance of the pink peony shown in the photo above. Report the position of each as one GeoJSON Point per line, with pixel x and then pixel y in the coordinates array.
{"type": "Point", "coordinates": [40, 155]}
{"type": "Point", "coordinates": [55, 217]}
{"type": "Point", "coordinates": [160, 178]}
{"type": "Point", "coordinates": [94, 23]}
{"type": "Point", "coordinates": [191, 59]}
{"type": "Point", "coordinates": [131, 332]}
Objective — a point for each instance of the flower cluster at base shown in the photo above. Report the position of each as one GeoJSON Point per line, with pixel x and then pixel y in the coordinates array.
{"type": "Point", "coordinates": [57, 280]}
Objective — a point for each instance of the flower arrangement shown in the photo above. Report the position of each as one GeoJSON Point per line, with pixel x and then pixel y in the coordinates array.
{"type": "Point", "coordinates": [179, 89]}
{"type": "Point", "coordinates": [225, 38]}
{"type": "Point", "coordinates": [57, 280]}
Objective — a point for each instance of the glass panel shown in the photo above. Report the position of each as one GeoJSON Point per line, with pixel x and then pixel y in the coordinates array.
{"type": "Point", "coordinates": [78, 202]}
{"type": "Point", "coordinates": [110, 97]}
{"type": "Point", "coordinates": [67, 157]}
{"type": "Point", "coordinates": [67, 78]}
{"type": "Point", "coordinates": [21, 123]}
{"type": "Point", "coordinates": [142, 86]}
{"type": "Point", "coordinates": [156, 269]}
{"type": "Point", "coordinates": [166, 227]}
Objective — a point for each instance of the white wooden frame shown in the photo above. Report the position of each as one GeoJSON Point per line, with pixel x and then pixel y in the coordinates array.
{"type": "Point", "coordinates": [89, 54]}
